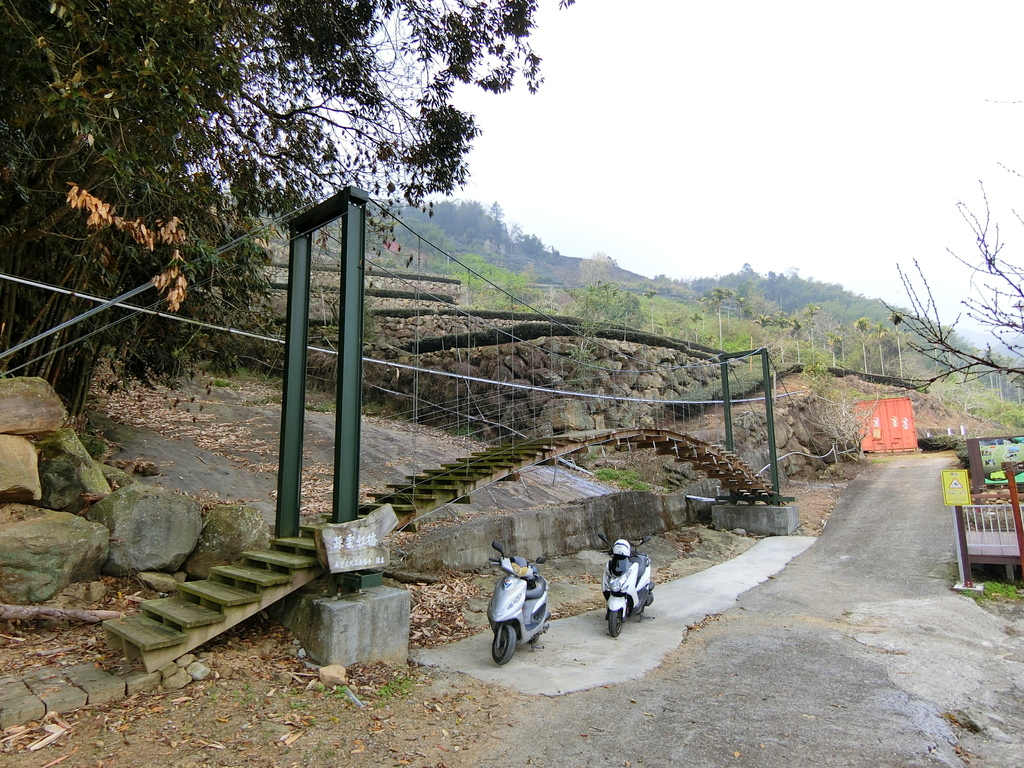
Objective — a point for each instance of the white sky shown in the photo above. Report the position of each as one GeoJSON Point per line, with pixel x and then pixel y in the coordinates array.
{"type": "Point", "coordinates": [687, 138]}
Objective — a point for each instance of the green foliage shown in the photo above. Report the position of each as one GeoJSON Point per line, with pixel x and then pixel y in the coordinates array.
{"type": "Point", "coordinates": [1002, 412]}
{"type": "Point", "coordinates": [819, 379]}
{"type": "Point", "coordinates": [791, 294]}
{"type": "Point", "coordinates": [945, 443]}
{"type": "Point", "coordinates": [605, 304]}
{"type": "Point", "coordinates": [214, 114]}
{"type": "Point", "coordinates": [623, 478]}
{"type": "Point", "coordinates": [999, 590]}
{"type": "Point", "coordinates": [398, 687]}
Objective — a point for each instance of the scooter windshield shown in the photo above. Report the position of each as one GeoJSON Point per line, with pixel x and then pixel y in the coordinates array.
{"type": "Point", "coordinates": [618, 565]}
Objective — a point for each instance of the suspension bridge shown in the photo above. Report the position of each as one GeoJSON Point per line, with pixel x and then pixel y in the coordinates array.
{"type": "Point", "coordinates": [536, 385]}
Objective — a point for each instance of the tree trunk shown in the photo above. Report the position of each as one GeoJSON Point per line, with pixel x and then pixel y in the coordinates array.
{"type": "Point", "coordinates": [32, 612]}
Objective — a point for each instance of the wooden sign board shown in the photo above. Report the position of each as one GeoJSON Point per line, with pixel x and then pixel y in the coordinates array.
{"type": "Point", "coordinates": [355, 546]}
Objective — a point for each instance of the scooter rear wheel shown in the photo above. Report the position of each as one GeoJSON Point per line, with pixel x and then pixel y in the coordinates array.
{"type": "Point", "coordinates": [614, 623]}
{"type": "Point", "coordinates": [504, 644]}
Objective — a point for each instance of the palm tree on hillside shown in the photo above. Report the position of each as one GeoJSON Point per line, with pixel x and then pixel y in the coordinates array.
{"type": "Point", "coordinates": [879, 331]}
{"type": "Point", "coordinates": [896, 318]}
{"type": "Point", "coordinates": [716, 298]}
{"type": "Point", "coordinates": [862, 325]}
{"type": "Point", "coordinates": [765, 321]}
{"type": "Point", "coordinates": [810, 312]}
{"type": "Point", "coordinates": [650, 293]}
{"type": "Point", "coordinates": [794, 323]}
{"type": "Point", "coordinates": [695, 318]}
{"type": "Point", "coordinates": [833, 339]}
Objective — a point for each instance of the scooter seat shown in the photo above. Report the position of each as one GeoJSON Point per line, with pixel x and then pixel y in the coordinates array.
{"type": "Point", "coordinates": [537, 589]}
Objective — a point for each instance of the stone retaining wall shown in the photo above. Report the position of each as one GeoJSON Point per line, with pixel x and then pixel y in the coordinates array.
{"type": "Point", "coordinates": [554, 531]}
{"type": "Point", "coordinates": [626, 373]}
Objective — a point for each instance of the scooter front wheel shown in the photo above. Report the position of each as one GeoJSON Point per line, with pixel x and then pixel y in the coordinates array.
{"type": "Point", "coordinates": [504, 644]}
{"type": "Point", "coordinates": [614, 623]}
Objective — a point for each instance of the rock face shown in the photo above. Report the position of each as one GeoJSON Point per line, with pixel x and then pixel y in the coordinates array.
{"type": "Point", "coordinates": [19, 478]}
{"type": "Point", "coordinates": [66, 471]}
{"type": "Point", "coordinates": [228, 531]}
{"type": "Point", "coordinates": [151, 529]}
{"type": "Point", "coordinates": [29, 406]}
{"type": "Point", "coordinates": [42, 552]}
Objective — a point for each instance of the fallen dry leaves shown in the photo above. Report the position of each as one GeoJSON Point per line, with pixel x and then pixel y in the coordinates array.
{"type": "Point", "coordinates": [436, 616]}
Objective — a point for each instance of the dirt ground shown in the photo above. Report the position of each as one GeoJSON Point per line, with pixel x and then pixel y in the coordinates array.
{"type": "Point", "coordinates": [263, 704]}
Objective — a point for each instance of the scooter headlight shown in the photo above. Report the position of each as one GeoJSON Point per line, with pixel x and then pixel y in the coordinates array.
{"type": "Point", "coordinates": [617, 585]}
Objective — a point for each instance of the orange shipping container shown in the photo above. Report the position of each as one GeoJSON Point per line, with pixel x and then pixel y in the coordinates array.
{"type": "Point", "coordinates": [890, 427]}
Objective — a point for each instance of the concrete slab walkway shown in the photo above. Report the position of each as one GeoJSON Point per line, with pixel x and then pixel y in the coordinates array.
{"type": "Point", "coordinates": [578, 654]}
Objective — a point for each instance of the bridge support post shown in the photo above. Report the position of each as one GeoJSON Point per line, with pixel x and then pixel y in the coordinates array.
{"type": "Point", "coordinates": [349, 395]}
{"type": "Point", "coordinates": [350, 206]}
{"type": "Point", "coordinates": [769, 412]}
{"type": "Point", "coordinates": [293, 394]}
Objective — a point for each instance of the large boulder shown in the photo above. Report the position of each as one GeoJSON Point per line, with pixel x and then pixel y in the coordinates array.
{"type": "Point", "coordinates": [151, 529]}
{"type": "Point", "coordinates": [42, 552]}
{"type": "Point", "coordinates": [228, 531]}
{"type": "Point", "coordinates": [66, 471]}
{"type": "Point", "coordinates": [116, 478]}
{"type": "Point", "coordinates": [19, 476]}
{"type": "Point", "coordinates": [29, 406]}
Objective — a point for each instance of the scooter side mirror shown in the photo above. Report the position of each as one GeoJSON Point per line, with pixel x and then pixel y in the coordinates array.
{"type": "Point", "coordinates": [541, 560]}
{"type": "Point", "coordinates": [498, 546]}
{"type": "Point", "coordinates": [602, 537]}
{"type": "Point", "coordinates": [645, 539]}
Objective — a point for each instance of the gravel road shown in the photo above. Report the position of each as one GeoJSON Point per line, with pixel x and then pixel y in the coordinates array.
{"type": "Point", "coordinates": [857, 654]}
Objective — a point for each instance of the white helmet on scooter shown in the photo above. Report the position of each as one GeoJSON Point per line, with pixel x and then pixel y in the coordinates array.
{"type": "Point", "coordinates": [622, 548]}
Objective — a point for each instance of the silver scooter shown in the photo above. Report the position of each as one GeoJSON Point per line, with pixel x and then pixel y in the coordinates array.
{"type": "Point", "coordinates": [518, 612]}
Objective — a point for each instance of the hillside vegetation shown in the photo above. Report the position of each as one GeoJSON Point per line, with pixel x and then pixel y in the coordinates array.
{"type": "Point", "coordinates": [799, 321]}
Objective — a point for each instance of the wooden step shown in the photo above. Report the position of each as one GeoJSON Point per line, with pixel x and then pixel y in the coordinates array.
{"type": "Point", "coordinates": [261, 577]}
{"type": "Point", "coordinates": [180, 613]}
{"type": "Point", "coordinates": [142, 632]}
{"type": "Point", "coordinates": [218, 594]}
{"type": "Point", "coordinates": [285, 560]}
{"type": "Point", "coordinates": [304, 543]}
{"type": "Point", "coordinates": [438, 484]}
{"type": "Point", "coordinates": [400, 491]}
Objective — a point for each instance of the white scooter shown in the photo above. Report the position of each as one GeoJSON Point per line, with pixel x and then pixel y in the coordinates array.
{"type": "Point", "coordinates": [518, 611]}
{"type": "Point", "coordinates": [627, 583]}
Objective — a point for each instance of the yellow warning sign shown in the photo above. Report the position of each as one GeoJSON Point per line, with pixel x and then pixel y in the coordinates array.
{"type": "Point", "coordinates": [956, 490]}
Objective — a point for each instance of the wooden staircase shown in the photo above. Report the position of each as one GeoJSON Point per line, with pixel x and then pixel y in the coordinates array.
{"type": "Point", "coordinates": [732, 473]}
{"type": "Point", "coordinates": [172, 626]}
{"type": "Point", "coordinates": [453, 482]}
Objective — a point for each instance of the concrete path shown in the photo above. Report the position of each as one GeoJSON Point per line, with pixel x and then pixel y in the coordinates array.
{"type": "Point", "coordinates": [857, 655]}
{"type": "Point", "coordinates": [578, 653]}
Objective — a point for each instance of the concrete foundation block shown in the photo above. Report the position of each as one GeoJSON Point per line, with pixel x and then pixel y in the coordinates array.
{"type": "Point", "coordinates": [142, 682]}
{"type": "Point", "coordinates": [99, 686]}
{"type": "Point", "coordinates": [758, 519]}
{"type": "Point", "coordinates": [372, 625]}
{"type": "Point", "coordinates": [18, 704]}
{"type": "Point", "coordinates": [58, 694]}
